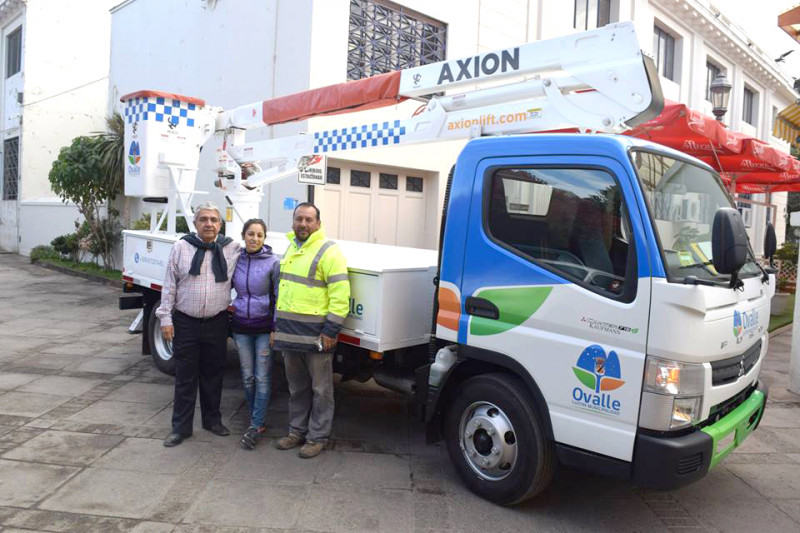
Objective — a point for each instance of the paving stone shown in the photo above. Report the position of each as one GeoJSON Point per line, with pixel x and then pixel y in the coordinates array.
{"type": "Point", "coordinates": [47, 361]}
{"type": "Point", "coordinates": [61, 385]}
{"type": "Point", "coordinates": [153, 527]}
{"type": "Point", "coordinates": [723, 502]}
{"type": "Point", "coordinates": [55, 521]}
{"type": "Point", "coordinates": [150, 455]}
{"type": "Point", "coordinates": [29, 403]}
{"type": "Point", "coordinates": [367, 470]}
{"type": "Point", "coordinates": [24, 484]}
{"type": "Point", "coordinates": [327, 509]}
{"type": "Point", "coordinates": [780, 417]}
{"type": "Point", "coordinates": [64, 448]}
{"type": "Point", "coordinates": [248, 503]}
{"type": "Point", "coordinates": [118, 493]}
{"type": "Point", "coordinates": [11, 380]}
{"type": "Point", "coordinates": [772, 481]}
{"type": "Point", "coordinates": [143, 393]}
{"type": "Point", "coordinates": [270, 465]}
{"type": "Point", "coordinates": [107, 412]}
{"type": "Point", "coordinates": [78, 348]}
{"type": "Point", "coordinates": [102, 365]}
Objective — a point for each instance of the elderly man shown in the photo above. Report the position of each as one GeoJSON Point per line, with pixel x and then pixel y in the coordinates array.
{"type": "Point", "coordinates": [194, 316]}
{"type": "Point", "coordinates": [312, 304]}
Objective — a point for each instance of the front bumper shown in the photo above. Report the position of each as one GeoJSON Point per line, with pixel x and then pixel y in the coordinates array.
{"type": "Point", "coordinates": [668, 463]}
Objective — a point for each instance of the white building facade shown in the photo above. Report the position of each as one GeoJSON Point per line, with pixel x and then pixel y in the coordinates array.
{"type": "Point", "coordinates": [231, 53]}
{"type": "Point", "coordinates": [54, 88]}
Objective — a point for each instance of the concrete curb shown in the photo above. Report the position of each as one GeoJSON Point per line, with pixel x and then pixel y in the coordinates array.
{"type": "Point", "coordinates": [77, 273]}
{"type": "Point", "coordinates": [782, 329]}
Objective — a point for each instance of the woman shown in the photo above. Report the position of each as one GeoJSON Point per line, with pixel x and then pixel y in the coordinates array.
{"type": "Point", "coordinates": [256, 282]}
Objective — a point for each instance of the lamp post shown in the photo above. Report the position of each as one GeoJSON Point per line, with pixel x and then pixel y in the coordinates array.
{"type": "Point", "coordinates": [720, 94]}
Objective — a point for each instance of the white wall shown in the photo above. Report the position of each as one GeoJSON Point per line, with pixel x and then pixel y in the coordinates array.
{"type": "Point", "coordinates": [230, 55]}
{"type": "Point", "coordinates": [43, 220]}
{"type": "Point", "coordinates": [9, 122]}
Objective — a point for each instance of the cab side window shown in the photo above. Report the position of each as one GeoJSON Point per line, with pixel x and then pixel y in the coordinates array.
{"type": "Point", "coordinates": [571, 221]}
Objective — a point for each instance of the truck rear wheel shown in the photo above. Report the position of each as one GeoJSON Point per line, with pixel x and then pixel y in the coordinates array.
{"type": "Point", "coordinates": [160, 348]}
{"type": "Point", "coordinates": [496, 440]}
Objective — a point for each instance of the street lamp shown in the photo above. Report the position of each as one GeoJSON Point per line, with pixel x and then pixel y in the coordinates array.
{"type": "Point", "coordinates": [720, 94]}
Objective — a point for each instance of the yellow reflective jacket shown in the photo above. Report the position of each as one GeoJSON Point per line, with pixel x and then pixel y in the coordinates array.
{"type": "Point", "coordinates": [313, 295]}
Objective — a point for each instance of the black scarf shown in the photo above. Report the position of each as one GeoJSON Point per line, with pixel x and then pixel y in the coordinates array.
{"type": "Point", "coordinates": [218, 263]}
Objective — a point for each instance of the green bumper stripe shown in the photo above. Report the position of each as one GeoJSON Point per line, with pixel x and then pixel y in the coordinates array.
{"type": "Point", "coordinates": [739, 422]}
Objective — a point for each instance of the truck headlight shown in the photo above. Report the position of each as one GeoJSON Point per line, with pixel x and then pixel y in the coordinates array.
{"type": "Point", "coordinates": [663, 376]}
{"type": "Point", "coordinates": [672, 396]}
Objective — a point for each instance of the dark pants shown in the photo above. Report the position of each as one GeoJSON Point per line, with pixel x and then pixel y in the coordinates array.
{"type": "Point", "coordinates": [199, 349]}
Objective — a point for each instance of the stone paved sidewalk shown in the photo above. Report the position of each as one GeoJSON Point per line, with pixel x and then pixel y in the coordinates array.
{"type": "Point", "coordinates": [82, 415]}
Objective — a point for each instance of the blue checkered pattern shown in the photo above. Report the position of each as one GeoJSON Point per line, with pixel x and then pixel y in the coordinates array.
{"type": "Point", "coordinates": [359, 137]}
{"type": "Point", "coordinates": [159, 109]}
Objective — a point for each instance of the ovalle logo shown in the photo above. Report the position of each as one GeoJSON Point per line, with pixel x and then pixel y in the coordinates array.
{"type": "Point", "coordinates": [601, 373]}
{"type": "Point", "coordinates": [134, 156]}
{"type": "Point", "coordinates": [136, 257]}
{"type": "Point", "coordinates": [744, 323]}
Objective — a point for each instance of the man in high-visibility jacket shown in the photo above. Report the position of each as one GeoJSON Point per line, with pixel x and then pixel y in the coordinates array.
{"type": "Point", "coordinates": [313, 301]}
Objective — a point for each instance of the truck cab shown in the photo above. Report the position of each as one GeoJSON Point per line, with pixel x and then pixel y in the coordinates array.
{"type": "Point", "coordinates": [579, 294]}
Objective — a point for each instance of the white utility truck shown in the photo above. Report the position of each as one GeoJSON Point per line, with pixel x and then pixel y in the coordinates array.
{"type": "Point", "coordinates": [594, 300]}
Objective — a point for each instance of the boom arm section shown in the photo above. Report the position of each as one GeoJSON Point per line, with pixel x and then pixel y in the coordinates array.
{"type": "Point", "coordinates": [592, 81]}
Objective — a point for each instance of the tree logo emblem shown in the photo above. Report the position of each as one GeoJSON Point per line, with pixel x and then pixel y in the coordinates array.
{"type": "Point", "coordinates": [598, 371]}
{"type": "Point", "coordinates": [134, 155]}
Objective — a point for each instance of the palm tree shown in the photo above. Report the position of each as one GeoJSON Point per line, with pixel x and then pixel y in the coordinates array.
{"type": "Point", "coordinates": [112, 156]}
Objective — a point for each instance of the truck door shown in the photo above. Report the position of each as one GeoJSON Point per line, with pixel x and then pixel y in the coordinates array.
{"type": "Point", "coordinates": [556, 277]}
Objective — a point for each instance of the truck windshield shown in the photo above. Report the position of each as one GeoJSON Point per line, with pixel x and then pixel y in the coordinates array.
{"type": "Point", "coordinates": [683, 199]}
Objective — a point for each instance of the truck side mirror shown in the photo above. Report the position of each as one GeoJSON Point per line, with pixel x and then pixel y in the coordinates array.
{"type": "Point", "coordinates": [728, 241]}
{"type": "Point", "coordinates": [770, 242]}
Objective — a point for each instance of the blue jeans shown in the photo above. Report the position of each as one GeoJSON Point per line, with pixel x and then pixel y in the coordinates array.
{"type": "Point", "coordinates": [255, 359]}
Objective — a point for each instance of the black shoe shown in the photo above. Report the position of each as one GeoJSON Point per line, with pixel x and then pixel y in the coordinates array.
{"type": "Point", "coordinates": [218, 429]}
{"type": "Point", "coordinates": [173, 439]}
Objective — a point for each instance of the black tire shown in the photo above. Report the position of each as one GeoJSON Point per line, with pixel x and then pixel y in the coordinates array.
{"type": "Point", "coordinates": [160, 349]}
{"type": "Point", "coordinates": [521, 460]}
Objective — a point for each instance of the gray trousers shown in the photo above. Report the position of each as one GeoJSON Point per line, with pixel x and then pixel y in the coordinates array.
{"type": "Point", "coordinates": [310, 378]}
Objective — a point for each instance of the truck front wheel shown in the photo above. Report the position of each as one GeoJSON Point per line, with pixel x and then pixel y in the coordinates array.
{"type": "Point", "coordinates": [496, 440]}
{"type": "Point", "coordinates": [160, 348]}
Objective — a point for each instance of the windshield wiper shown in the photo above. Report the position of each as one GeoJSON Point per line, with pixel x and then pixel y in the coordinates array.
{"type": "Point", "coordinates": [705, 263]}
{"type": "Point", "coordinates": [694, 280]}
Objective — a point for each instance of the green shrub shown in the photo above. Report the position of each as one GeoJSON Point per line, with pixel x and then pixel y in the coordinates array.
{"type": "Point", "coordinates": [787, 252]}
{"type": "Point", "coordinates": [43, 253]}
{"type": "Point", "coordinates": [143, 223]}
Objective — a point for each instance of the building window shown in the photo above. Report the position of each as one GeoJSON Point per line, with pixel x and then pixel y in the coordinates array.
{"type": "Point", "coordinates": [712, 71]}
{"type": "Point", "coordinates": [749, 107]}
{"type": "Point", "coordinates": [590, 14]}
{"type": "Point", "coordinates": [385, 36]}
{"type": "Point", "coordinates": [334, 176]}
{"type": "Point", "coordinates": [388, 181]}
{"type": "Point", "coordinates": [360, 178]}
{"type": "Point", "coordinates": [413, 184]}
{"type": "Point", "coordinates": [11, 169]}
{"type": "Point", "coordinates": [14, 52]}
{"type": "Point", "coordinates": [579, 232]}
{"type": "Point", "coordinates": [664, 52]}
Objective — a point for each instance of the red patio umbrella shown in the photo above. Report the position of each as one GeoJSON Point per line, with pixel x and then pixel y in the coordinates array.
{"type": "Point", "coordinates": [756, 166]}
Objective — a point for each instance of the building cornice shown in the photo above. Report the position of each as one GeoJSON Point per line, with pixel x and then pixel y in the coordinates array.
{"type": "Point", "coordinates": [729, 40]}
{"type": "Point", "coordinates": [10, 9]}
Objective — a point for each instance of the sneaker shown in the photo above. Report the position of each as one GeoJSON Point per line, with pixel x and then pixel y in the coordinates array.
{"type": "Point", "coordinates": [289, 441]}
{"type": "Point", "coordinates": [250, 438]}
{"type": "Point", "coordinates": [311, 449]}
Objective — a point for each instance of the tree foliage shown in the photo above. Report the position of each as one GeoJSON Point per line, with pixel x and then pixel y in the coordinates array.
{"type": "Point", "coordinates": [79, 176]}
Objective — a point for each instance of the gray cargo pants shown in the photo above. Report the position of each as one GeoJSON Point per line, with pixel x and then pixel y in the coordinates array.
{"type": "Point", "coordinates": [310, 378]}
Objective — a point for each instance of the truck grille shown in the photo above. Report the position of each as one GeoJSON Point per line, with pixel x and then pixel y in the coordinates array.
{"type": "Point", "coordinates": [729, 370]}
